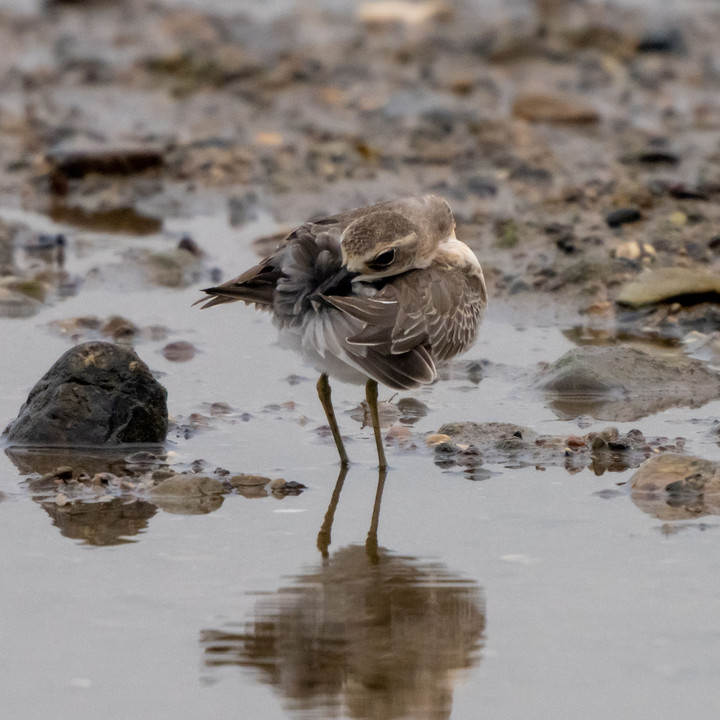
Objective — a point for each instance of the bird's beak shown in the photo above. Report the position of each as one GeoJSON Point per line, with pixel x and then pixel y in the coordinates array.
{"type": "Point", "coordinates": [337, 284]}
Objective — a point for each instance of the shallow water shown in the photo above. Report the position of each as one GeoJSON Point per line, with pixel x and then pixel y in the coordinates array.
{"type": "Point", "coordinates": [526, 594]}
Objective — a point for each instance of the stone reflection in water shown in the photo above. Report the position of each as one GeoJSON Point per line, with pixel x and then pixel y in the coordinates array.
{"type": "Point", "coordinates": [368, 634]}
{"type": "Point", "coordinates": [111, 522]}
{"type": "Point", "coordinates": [97, 519]}
{"type": "Point", "coordinates": [43, 460]}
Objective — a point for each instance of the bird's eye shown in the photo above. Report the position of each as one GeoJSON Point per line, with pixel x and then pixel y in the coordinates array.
{"type": "Point", "coordinates": [383, 260]}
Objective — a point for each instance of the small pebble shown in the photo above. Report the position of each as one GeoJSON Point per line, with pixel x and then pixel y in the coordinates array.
{"type": "Point", "coordinates": [668, 40]}
{"type": "Point", "coordinates": [437, 439]}
{"type": "Point", "coordinates": [142, 457]}
{"type": "Point", "coordinates": [399, 434]}
{"type": "Point", "coordinates": [679, 218]}
{"type": "Point", "coordinates": [630, 250]}
{"type": "Point", "coordinates": [574, 441]}
{"type": "Point", "coordinates": [243, 480]}
{"type": "Point", "coordinates": [621, 216]}
{"type": "Point", "coordinates": [220, 408]}
{"type": "Point", "coordinates": [179, 351]}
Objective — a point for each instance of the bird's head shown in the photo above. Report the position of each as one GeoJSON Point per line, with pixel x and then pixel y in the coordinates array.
{"type": "Point", "coordinates": [388, 242]}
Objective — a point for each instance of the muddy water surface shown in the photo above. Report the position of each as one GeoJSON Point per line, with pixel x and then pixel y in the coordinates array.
{"type": "Point", "coordinates": [531, 592]}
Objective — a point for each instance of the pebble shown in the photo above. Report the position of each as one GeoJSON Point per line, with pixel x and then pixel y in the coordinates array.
{"type": "Point", "coordinates": [81, 161]}
{"type": "Point", "coordinates": [664, 284]}
{"type": "Point", "coordinates": [220, 408]}
{"type": "Point", "coordinates": [384, 12]}
{"type": "Point", "coordinates": [621, 216]}
{"type": "Point", "coordinates": [437, 439]}
{"type": "Point", "coordinates": [243, 480]}
{"type": "Point", "coordinates": [103, 478]}
{"type": "Point", "coordinates": [661, 41]}
{"type": "Point", "coordinates": [188, 486]}
{"type": "Point", "coordinates": [399, 434]}
{"type": "Point", "coordinates": [119, 327]}
{"type": "Point", "coordinates": [552, 108]}
{"type": "Point", "coordinates": [162, 473]}
{"type": "Point", "coordinates": [629, 250]}
{"type": "Point", "coordinates": [679, 218]}
{"type": "Point", "coordinates": [143, 457]}
{"type": "Point", "coordinates": [179, 351]}
{"type": "Point", "coordinates": [575, 441]}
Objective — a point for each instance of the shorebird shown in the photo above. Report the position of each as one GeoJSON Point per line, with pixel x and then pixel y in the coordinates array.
{"type": "Point", "coordinates": [382, 293]}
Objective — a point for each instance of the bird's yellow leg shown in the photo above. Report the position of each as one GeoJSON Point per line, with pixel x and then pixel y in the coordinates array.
{"type": "Point", "coordinates": [323, 390]}
{"type": "Point", "coordinates": [371, 394]}
{"type": "Point", "coordinates": [371, 544]}
{"type": "Point", "coordinates": [323, 539]}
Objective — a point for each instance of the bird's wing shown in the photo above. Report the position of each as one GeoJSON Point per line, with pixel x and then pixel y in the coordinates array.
{"type": "Point", "coordinates": [297, 261]}
{"type": "Point", "coordinates": [442, 307]}
{"type": "Point", "coordinates": [256, 285]}
{"type": "Point", "coordinates": [438, 308]}
{"type": "Point", "coordinates": [327, 332]}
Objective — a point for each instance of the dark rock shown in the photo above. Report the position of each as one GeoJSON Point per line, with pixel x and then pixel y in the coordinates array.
{"type": "Point", "coordinates": [95, 394]}
{"type": "Point", "coordinates": [657, 157]}
{"type": "Point", "coordinates": [563, 236]}
{"type": "Point", "coordinates": [662, 41]}
{"type": "Point", "coordinates": [78, 162]}
{"type": "Point", "coordinates": [680, 191]}
{"type": "Point", "coordinates": [49, 248]}
{"type": "Point", "coordinates": [524, 172]}
{"type": "Point", "coordinates": [621, 216]}
{"type": "Point", "coordinates": [291, 487]}
{"type": "Point", "coordinates": [189, 245]}
{"type": "Point", "coordinates": [243, 208]}
{"type": "Point", "coordinates": [482, 187]}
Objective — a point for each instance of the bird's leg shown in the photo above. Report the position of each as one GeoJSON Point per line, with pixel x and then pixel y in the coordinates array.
{"type": "Point", "coordinates": [371, 394]}
{"type": "Point", "coordinates": [371, 544]}
{"type": "Point", "coordinates": [323, 390]}
{"type": "Point", "coordinates": [323, 539]}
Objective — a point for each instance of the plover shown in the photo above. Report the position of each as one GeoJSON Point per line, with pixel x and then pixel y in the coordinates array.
{"type": "Point", "coordinates": [382, 293]}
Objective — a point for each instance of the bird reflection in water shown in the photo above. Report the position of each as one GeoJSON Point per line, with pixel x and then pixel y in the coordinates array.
{"type": "Point", "coordinates": [369, 634]}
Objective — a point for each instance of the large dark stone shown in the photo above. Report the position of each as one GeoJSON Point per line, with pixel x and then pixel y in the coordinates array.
{"type": "Point", "coordinates": [97, 393]}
